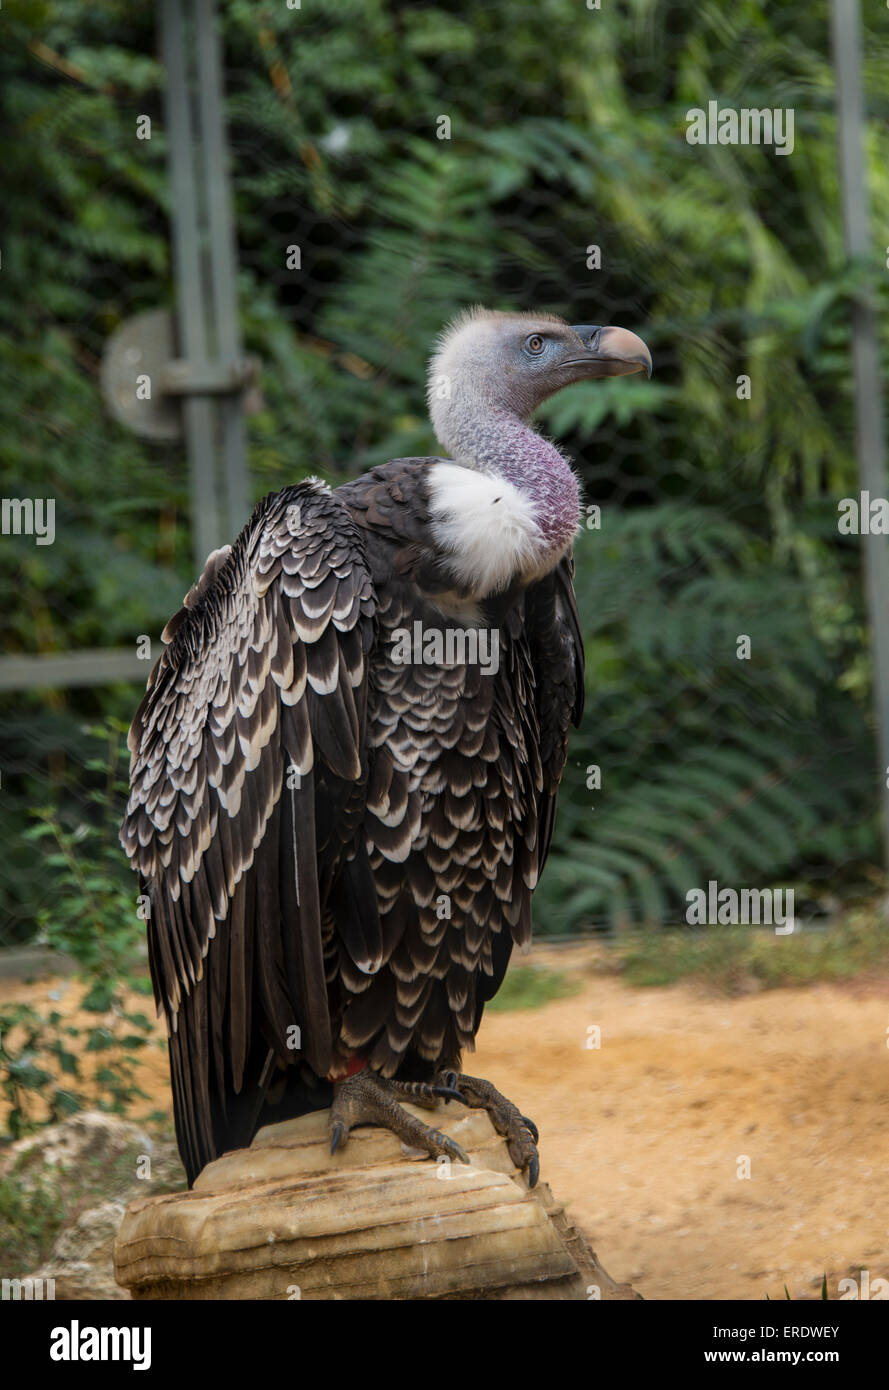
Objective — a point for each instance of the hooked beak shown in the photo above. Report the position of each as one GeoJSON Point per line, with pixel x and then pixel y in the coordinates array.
{"type": "Point", "coordinates": [609, 352]}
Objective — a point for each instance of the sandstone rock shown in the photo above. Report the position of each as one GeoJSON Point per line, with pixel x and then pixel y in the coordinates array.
{"type": "Point", "coordinates": [285, 1219]}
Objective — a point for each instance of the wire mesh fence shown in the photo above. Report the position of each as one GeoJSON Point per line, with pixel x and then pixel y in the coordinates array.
{"type": "Point", "coordinates": [390, 165]}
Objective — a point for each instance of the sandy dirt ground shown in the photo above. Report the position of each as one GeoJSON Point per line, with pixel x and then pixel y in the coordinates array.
{"type": "Point", "coordinates": [644, 1137]}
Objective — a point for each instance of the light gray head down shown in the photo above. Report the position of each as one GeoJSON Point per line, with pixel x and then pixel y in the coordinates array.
{"type": "Point", "coordinates": [495, 364]}
{"type": "Point", "coordinates": [490, 372]}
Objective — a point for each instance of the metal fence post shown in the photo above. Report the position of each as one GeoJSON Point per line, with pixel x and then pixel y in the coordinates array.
{"type": "Point", "coordinates": [846, 27]}
{"type": "Point", "coordinates": [211, 372]}
{"type": "Point", "coordinates": [204, 254]}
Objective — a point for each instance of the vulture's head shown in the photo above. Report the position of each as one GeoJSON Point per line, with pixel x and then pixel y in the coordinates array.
{"type": "Point", "coordinates": [488, 361]}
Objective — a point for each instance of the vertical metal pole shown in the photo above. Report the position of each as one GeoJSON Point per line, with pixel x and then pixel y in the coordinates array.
{"type": "Point", "coordinates": [846, 27]}
{"type": "Point", "coordinates": [223, 260]}
{"type": "Point", "coordinates": [197, 412]}
{"type": "Point", "coordinates": [206, 265]}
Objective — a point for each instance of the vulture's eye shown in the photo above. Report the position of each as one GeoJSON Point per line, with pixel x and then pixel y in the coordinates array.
{"type": "Point", "coordinates": [534, 345]}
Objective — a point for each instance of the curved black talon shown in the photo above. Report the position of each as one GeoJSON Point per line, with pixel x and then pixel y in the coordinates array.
{"type": "Point", "coordinates": [337, 1137]}
{"type": "Point", "coordinates": [457, 1150]}
{"type": "Point", "coordinates": [532, 1127]}
{"type": "Point", "coordinates": [448, 1093]}
{"type": "Point", "coordinates": [533, 1171]}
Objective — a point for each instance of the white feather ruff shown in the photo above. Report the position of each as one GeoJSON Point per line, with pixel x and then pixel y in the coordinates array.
{"type": "Point", "coordinates": [486, 524]}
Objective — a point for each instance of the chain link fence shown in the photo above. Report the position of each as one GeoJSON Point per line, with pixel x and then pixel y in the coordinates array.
{"type": "Point", "coordinates": [391, 164]}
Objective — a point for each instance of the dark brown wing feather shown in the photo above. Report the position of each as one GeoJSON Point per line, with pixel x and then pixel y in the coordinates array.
{"type": "Point", "coordinates": [248, 781]}
{"type": "Point", "coordinates": [553, 627]}
{"type": "Point", "coordinates": [484, 839]}
{"type": "Point", "coordinates": [499, 747]}
{"type": "Point", "coordinates": [546, 639]}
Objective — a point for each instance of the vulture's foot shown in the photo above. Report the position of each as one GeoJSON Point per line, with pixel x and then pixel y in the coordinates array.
{"type": "Point", "coordinates": [369, 1099]}
{"type": "Point", "coordinates": [519, 1132]}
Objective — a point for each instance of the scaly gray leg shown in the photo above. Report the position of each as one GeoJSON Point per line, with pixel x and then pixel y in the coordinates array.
{"type": "Point", "coordinates": [369, 1099]}
{"type": "Point", "coordinates": [519, 1132]}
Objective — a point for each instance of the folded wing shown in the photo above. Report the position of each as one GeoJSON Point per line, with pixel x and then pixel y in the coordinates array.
{"type": "Point", "coordinates": [248, 774]}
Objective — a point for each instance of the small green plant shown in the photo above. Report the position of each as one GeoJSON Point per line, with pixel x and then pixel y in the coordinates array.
{"type": "Point", "coordinates": [93, 920]}
{"type": "Point", "coordinates": [787, 1291]}
{"type": "Point", "coordinates": [31, 1217]}
{"type": "Point", "coordinates": [736, 960]}
{"type": "Point", "coordinates": [28, 1041]}
{"type": "Point", "coordinates": [530, 987]}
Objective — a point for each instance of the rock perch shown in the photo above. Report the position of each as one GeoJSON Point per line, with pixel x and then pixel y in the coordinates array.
{"type": "Point", "coordinates": [285, 1219]}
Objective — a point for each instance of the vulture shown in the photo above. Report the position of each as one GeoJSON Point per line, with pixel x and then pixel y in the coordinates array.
{"type": "Point", "coordinates": [344, 770]}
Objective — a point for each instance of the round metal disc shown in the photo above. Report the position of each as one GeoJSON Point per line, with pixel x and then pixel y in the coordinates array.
{"type": "Point", "coordinates": [132, 362]}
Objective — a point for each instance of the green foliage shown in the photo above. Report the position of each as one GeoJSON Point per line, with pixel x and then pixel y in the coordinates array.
{"type": "Point", "coordinates": [30, 1219]}
{"type": "Point", "coordinates": [711, 766]}
{"type": "Point", "coordinates": [92, 917]}
{"type": "Point", "coordinates": [736, 960]}
{"type": "Point", "coordinates": [567, 130]}
{"type": "Point", "coordinates": [47, 1065]}
{"type": "Point", "coordinates": [30, 1041]}
{"type": "Point", "coordinates": [42, 1194]}
{"type": "Point", "coordinates": [530, 987]}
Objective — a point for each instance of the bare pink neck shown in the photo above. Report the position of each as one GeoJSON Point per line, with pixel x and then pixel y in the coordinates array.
{"type": "Point", "coordinates": [501, 444]}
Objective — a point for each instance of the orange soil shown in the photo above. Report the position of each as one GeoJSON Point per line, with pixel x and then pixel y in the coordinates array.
{"type": "Point", "coordinates": [643, 1137]}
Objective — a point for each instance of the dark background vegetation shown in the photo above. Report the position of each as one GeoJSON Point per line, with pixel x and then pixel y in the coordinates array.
{"type": "Point", "coordinates": [718, 514]}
